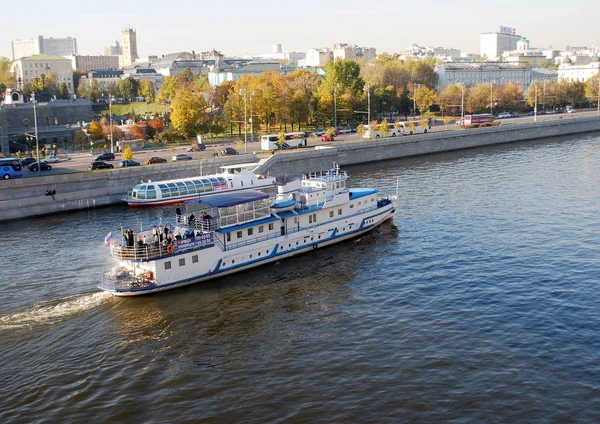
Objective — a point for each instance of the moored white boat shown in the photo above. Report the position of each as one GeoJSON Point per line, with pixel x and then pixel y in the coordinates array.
{"type": "Point", "coordinates": [224, 233]}
{"type": "Point", "coordinates": [169, 192]}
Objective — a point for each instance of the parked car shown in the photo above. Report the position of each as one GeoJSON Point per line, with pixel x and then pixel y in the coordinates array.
{"type": "Point", "coordinates": [345, 130]}
{"type": "Point", "coordinates": [181, 156]}
{"type": "Point", "coordinates": [155, 159]}
{"type": "Point", "coordinates": [514, 114]}
{"type": "Point", "coordinates": [44, 166]}
{"type": "Point", "coordinates": [27, 161]}
{"type": "Point", "coordinates": [319, 133]}
{"type": "Point", "coordinates": [328, 138]}
{"type": "Point", "coordinates": [104, 156]}
{"type": "Point", "coordinates": [200, 147]}
{"type": "Point", "coordinates": [128, 163]}
{"type": "Point", "coordinates": [503, 115]}
{"type": "Point", "coordinates": [100, 165]}
{"type": "Point", "coordinates": [229, 151]}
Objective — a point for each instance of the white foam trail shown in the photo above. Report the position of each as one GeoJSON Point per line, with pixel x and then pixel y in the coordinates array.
{"type": "Point", "coordinates": [47, 314]}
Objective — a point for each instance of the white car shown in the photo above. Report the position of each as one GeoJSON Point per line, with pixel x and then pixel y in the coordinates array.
{"type": "Point", "coordinates": [52, 159]}
{"type": "Point", "coordinates": [503, 115]}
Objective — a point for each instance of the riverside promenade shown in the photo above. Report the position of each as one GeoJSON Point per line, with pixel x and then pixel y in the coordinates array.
{"type": "Point", "coordinates": [27, 197]}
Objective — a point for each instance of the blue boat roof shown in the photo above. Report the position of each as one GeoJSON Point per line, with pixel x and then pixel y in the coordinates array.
{"type": "Point", "coordinates": [223, 200]}
{"type": "Point", "coordinates": [356, 193]}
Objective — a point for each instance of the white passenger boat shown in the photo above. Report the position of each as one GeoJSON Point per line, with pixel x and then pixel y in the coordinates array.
{"type": "Point", "coordinates": [168, 192]}
{"type": "Point", "coordinates": [221, 234]}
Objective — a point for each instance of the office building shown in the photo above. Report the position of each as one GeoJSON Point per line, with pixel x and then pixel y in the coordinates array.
{"type": "Point", "coordinates": [40, 45]}
{"type": "Point", "coordinates": [493, 44]}
{"type": "Point", "coordinates": [130, 53]}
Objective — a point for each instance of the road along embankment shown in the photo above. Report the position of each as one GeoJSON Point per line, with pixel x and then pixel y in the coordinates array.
{"type": "Point", "coordinates": [373, 150]}
{"type": "Point", "coordinates": [27, 197]}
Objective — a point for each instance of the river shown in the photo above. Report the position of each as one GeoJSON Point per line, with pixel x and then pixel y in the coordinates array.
{"type": "Point", "coordinates": [478, 303]}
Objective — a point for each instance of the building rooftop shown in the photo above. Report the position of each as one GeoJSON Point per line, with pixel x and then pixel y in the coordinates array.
{"type": "Point", "coordinates": [42, 57]}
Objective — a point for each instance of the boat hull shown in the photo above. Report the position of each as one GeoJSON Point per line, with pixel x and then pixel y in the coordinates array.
{"type": "Point", "coordinates": [377, 217]}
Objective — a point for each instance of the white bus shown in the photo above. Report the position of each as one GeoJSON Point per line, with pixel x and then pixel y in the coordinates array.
{"type": "Point", "coordinates": [396, 129]}
{"type": "Point", "coordinates": [292, 141]}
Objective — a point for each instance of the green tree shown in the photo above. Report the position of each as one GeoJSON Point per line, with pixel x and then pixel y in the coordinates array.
{"type": "Point", "coordinates": [146, 90]}
{"type": "Point", "coordinates": [63, 91]}
{"type": "Point", "coordinates": [188, 114]}
{"type": "Point", "coordinates": [128, 88]}
{"type": "Point", "coordinates": [80, 139]}
{"type": "Point", "coordinates": [511, 96]}
{"type": "Point", "coordinates": [592, 90]}
{"type": "Point", "coordinates": [7, 79]}
{"type": "Point", "coordinates": [168, 89]}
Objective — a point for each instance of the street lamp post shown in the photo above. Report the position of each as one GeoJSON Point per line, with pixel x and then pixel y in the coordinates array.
{"type": "Point", "coordinates": [535, 104]}
{"type": "Point", "coordinates": [415, 100]}
{"type": "Point", "coordinates": [251, 118]}
{"type": "Point", "coordinates": [368, 105]}
{"type": "Point", "coordinates": [598, 111]}
{"type": "Point", "coordinates": [112, 145]}
{"type": "Point", "coordinates": [462, 103]}
{"type": "Point", "coordinates": [335, 105]}
{"type": "Point", "coordinates": [245, 123]}
{"type": "Point", "coordinates": [37, 144]}
{"type": "Point", "coordinates": [491, 97]}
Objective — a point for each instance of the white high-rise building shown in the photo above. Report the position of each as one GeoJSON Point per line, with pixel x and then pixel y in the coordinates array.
{"type": "Point", "coordinates": [40, 45]}
{"type": "Point", "coordinates": [493, 44]}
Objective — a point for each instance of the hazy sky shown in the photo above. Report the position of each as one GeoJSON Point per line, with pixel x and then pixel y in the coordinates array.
{"type": "Point", "coordinates": [238, 27]}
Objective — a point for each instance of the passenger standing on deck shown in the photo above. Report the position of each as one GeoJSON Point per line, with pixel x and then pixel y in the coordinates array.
{"type": "Point", "coordinates": [178, 213]}
{"type": "Point", "coordinates": [192, 220]}
{"type": "Point", "coordinates": [155, 234]}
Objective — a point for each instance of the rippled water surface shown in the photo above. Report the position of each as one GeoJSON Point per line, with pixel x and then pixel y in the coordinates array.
{"type": "Point", "coordinates": [479, 303]}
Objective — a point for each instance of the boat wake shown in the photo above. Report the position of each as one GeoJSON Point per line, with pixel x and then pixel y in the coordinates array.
{"type": "Point", "coordinates": [52, 313]}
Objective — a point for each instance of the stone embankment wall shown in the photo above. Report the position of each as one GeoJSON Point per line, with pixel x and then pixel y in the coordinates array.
{"type": "Point", "coordinates": [290, 165]}
{"type": "Point", "coordinates": [27, 197]}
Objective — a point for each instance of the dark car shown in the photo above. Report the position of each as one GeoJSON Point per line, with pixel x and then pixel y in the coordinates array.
{"type": "Point", "coordinates": [128, 163]}
{"type": "Point", "coordinates": [200, 147]}
{"type": "Point", "coordinates": [229, 151]}
{"type": "Point", "coordinates": [27, 161]}
{"type": "Point", "coordinates": [44, 167]}
{"type": "Point", "coordinates": [100, 165]}
{"type": "Point", "coordinates": [155, 159]}
{"type": "Point", "coordinates": [104, 156]}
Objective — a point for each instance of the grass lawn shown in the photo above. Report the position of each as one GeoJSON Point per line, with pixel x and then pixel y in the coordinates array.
{"type": "Point", "coordinates": [139, 108]}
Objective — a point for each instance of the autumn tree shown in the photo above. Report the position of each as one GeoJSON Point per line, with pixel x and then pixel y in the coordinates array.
{"type": "Point", "coordinates": [63, 91]}
{"type": "Point", "coordinates": [592, 89]}
{"type": "Point", "coordinates": [80, 139]}
{"type": "Point", "coordinates": [510, 96]}
{"type": "Point", "coordinates": [188, 114]}
{"type": "Point", "coordinates": [127, 153]}
{"type": "Point", "coordinates": [384, 128]}
{"type": "Point", "coordinates": [89, 90]}
{"type": "Point", "coordinates": [7, 79]}
{"type": "Point", "coordinates": [136, 132]}
{"type": "Point", "coordinates": [451, 99]}
{"type": "Point", "coordinates": [95, 131]}
{"type": "Point", "coordinates": [425, 97]}
{"type": "Point", "coordinates": [479, 98]}
{"type": "Point", "coordinates": [168, 89]}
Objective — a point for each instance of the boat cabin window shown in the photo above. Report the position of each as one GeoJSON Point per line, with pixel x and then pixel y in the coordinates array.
{"type": "Point", "coordinates": [173, 188]}
{"type": "Point", "coordinates": [151, 192]}
{"type": "Point", "coordinates": [228, 236]}
{"type": "Point", "coordinates": [164, 190]}
{"type": "Point", "coordinates": [261, 228]}
{"type": "Point", "coordinates": [194, 259]}
{"type": "Point", "coordinates": [271, 226]}
{"type": "Point", "coordinates": [181, 261]}
{"type": "Point", "coordinates": [168, 265]}
{"type": "Point", "coordinates": [182, 187]}
{"type": "Point", "coordinates": [339, 211]}
{"type": "Point", "coordinates": [330, 214]}
{"type": "Point", "coordinates": [250, 231]}
{"type": "Point", "coordinates": [141, 192]}
{"type": "Point", "coordinates": [239, 234]}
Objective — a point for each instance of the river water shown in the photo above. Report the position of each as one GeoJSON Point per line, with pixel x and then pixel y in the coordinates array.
{"type": "Point", "coordinates": [479, 303]}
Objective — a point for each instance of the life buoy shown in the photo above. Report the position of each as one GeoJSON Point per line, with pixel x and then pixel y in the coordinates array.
{"type": "Point", "coordinates": [170, 249]}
